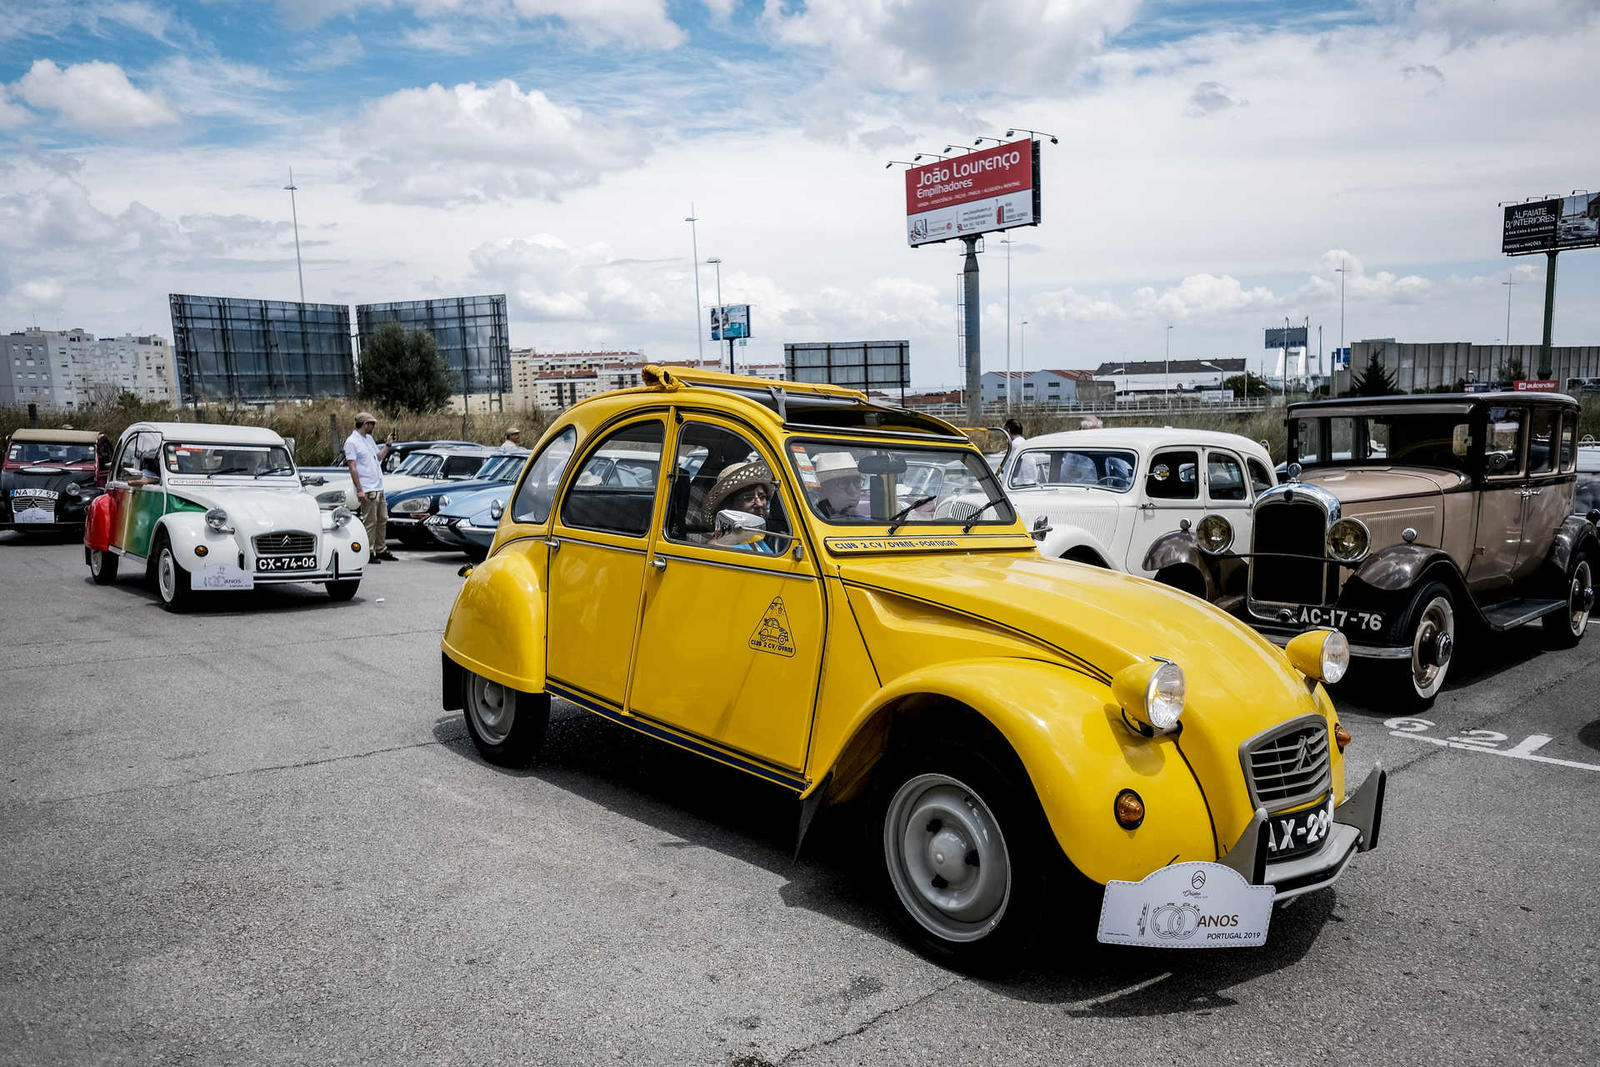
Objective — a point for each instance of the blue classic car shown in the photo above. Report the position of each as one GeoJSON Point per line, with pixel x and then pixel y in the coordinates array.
{"type": "Point", "coordinates": [408, 508]}
{"type": "Point", "coordinates": [467, 520]}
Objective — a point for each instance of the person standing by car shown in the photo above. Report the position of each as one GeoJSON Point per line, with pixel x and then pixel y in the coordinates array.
{"type": "Point", "coordinates": [1027, 471]}
{"type": "Point", "coordinates": [365, 460]}
{"type": "Point", "coordinates": [513, 441]}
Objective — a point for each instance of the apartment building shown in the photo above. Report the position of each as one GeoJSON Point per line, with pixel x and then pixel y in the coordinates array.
{"type": "Point", "coordinates": [73, 370]}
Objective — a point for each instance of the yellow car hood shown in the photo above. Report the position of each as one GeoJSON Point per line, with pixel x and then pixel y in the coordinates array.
{"type": "Point", "coordinates": [913, 611]}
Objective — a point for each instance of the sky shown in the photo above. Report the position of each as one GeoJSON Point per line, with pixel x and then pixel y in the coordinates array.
{"type": "Point", "coordinates": [1214, 164]}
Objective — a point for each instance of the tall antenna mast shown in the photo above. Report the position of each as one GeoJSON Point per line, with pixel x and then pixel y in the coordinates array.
{"type": "Point", "coordinates": [295, 214]}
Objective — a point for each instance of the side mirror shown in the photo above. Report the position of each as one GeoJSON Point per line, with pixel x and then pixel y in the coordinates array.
{"type": "Point", "coordinates": [497, 508]}
{"type": "Point", "coordinates": [739, 528]}
{"type": "Point", "coordinates": [1041, 527]}
{"type": "Point", "coordinates": [313, 479]}
{"type": "Point", "coordinates": [288, 442]}
{"type": "Point", "coordinates": [1594, 516]}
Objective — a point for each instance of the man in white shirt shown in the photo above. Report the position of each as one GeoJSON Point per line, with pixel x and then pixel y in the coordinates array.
{"type": "Point", "coordinates": [513, 441]}
{"type": "Point", "coordinates": [365, 460]}
{"type": "Point", "coordinates": [1027, 470]}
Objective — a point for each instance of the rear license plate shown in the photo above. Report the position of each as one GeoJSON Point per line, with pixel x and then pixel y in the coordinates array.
{"type": "Point", "coordinates": [286, 563]}
{"type": "Point", "coordinates": [1300, 831]}
{"type": "Point", "coordinates": [1340, 619]}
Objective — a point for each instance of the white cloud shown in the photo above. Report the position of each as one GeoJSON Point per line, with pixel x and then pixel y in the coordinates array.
{"type": "Point", "coordinates": [339, 52]}
{"type": "Point", "coordinates": [1204, 296]}
{"type": "Point", "coordinates": [642, 24]}
{"type": "Point", "coordinates": [10, 114]}
{"type": "Point", "coordinates": [1069, 305]}
{"type": "Point", "coordinates": [93, 96]}
{"type": "Point", "coordinates": [933, 45]}
{"type": "Point", "coordinates": [217, 88]}
{"type": "Point", "coordinates": [1470, 20]}
{"type": "Point", "coordinates": [468, 144]}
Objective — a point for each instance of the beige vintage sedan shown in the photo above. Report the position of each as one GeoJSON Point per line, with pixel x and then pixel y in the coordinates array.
{"type": "Point", "coordinates": [1409, 519]}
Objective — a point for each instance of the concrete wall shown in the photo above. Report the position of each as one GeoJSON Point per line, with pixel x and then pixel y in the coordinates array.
{"type": "Point", "coordinates": [1418, 368]}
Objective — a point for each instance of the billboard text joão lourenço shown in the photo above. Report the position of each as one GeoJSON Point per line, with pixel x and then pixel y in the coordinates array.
{"type": "Point", "coordinates": [978, 192]}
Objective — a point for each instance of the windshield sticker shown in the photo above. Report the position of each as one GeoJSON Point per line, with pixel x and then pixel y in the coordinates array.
{"type": "Point", "coordinates": [772, 633]}
{"type": "Point", "coordinates": [922, 544]}
{"type": "Point", "coordinates": [808, 469]}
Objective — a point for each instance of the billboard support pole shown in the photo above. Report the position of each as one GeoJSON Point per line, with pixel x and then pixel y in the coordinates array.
{"type": "Point", "coordinates": [969, 272]}
{"type": "Point", "coordinates": [1549, 314]}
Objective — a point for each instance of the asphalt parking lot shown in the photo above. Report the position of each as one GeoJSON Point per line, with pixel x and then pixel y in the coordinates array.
{"type": "Point", "coordinates": [250, 834]}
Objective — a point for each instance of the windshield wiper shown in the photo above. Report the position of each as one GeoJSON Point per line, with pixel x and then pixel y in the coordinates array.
{"type": "Point", "coordinates": [225, 470]}
{"type": "Point", "coordinates": [899, 519]}
{"type": "Point", "coordinates": [972, 520]}
{"type": "Point", "coordinates": [274, 470]}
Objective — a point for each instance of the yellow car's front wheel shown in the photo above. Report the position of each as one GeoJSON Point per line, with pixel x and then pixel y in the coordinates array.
{"type": "Point", "coordinates": [961, 856]}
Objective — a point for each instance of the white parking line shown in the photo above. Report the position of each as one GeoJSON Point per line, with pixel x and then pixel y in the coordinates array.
{"type": "Point", "coordinates": [1483, 741]}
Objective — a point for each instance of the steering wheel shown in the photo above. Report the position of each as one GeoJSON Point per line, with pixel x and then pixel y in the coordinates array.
{"type": "Point", "coordinates": [1498, 461]}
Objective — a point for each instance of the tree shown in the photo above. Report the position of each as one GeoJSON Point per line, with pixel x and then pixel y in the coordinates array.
{"type": "Point", "coordinates": [1374, 381]}
{"type": "Point", "coordinates": [1246, 385]}
{"type": "Point", "coordinates": [400, 370]}
{"type": "Point", "coordinates": [1515, 372]}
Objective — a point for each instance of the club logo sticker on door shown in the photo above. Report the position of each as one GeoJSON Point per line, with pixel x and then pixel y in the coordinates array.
{"type": "Point", "coordinates": [772, 633]}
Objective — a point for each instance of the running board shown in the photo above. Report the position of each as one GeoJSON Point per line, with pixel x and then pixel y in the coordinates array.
{"type": "Point", "coordinates": [1513, 613]}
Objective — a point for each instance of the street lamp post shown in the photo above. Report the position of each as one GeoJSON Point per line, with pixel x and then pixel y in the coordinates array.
{"type": "Point", "coordinates": [717, 262]}
{"type": "Point", "coordinates": [1342, 274]}
{"type": "Point", "coordinates": [694, 238]}
{"type": "Point", "coordinates": [294, 213]}
{"type": "Point", "coordinates": [1007, 242]}
{"type": "Point", "coordinates": [1166, 371]}
{"type": "Point", "coordinates": [1024, 351]}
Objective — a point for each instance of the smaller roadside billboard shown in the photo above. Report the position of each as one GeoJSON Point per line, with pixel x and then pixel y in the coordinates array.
{"type": "Point", "coordinates": [729, 321]}
{"type": "Point", "coordinates": [1552, 225]}
{"type": "Point", "coordinates": [864, 365]}
{"type": "Point", "coordinates": [1293, 337]}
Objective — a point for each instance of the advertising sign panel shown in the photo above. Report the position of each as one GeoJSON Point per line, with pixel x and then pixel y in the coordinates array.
{"type": "Point", "coordinates": [978, 192]}
{"type": "Point", "coordinates": [729, 321]}
{"type": "Point", "coordinates": [1535, 385]}
{"type": "Point", "coordinates": [1552, 225]}
{"type": "Point", "coordinates": [861, 365]}
{"type": "Point", "coordinates": [1294, 337]}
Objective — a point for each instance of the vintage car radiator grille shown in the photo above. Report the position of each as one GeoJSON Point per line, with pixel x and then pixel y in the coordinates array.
{"type": "Point", "coordinates": [1297, 529]}
{"type": "Point", "coordinates": [1290, 766]}
{"type": "Point", "coordinates": [26, 503]}
{"type": "Point", "coordinates": [285, 543]}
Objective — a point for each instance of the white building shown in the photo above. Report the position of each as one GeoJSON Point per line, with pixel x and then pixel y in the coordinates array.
{"type": "Point", "coordinates": [1050, 388]}
{"type": "Point", "coordinates": [73, 370]}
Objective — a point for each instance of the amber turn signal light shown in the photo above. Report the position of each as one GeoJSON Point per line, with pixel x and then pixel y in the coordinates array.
{"type": "Point", "coordinates": [1129, 809]}
{"type": "Point", "coordinates": [200, 550]}
{"type": "Point", "coordinates": [355, 546]}
{"type": "Point", "coordinates": [1341, 735]}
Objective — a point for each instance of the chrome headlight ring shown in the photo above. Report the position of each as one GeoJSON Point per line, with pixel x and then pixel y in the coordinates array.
{"type": "Point", "coordinates": [1348, 540]}
{"type": "Point", "coordinates": [217, 521]}
{"type": "Point", "coordinates": [341, 515]}
{"type": "Point", "coordinates": [1214, 534]}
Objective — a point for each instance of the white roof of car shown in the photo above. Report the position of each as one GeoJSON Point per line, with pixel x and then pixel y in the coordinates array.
{"type": "Point", "coordinates": [210, 432]}
{"type": "Point", "coordinates": [1146, 438]}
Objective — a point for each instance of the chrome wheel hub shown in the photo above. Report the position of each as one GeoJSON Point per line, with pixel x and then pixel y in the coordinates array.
{"type": "Point", "coordinates": [167, 575]}
{"type": "Point", "coordinates": [1580, 597]}
{"type": "Point", "coordinates": [1433, 646]}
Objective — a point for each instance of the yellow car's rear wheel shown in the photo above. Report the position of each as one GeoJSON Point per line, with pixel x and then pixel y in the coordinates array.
{"type": "Point", "coordinates": [505, 724]}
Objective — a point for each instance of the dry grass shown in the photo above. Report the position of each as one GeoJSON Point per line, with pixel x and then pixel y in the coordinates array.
{"type": "Point", "coordinates": [316, 441]}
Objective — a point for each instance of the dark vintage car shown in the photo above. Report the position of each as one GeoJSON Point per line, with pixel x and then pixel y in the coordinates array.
{"type": "Point", "coordinates": [1407, 521]}
{"type": "Point", "coordinates": [48, 478]}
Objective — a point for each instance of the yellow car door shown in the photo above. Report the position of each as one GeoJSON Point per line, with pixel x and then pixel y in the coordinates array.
{"type": "Point", "coordinates": [730, 636]}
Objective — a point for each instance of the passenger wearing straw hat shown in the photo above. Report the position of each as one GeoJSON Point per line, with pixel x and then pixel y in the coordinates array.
{"type": "Point", "coordinates": [746, 487]}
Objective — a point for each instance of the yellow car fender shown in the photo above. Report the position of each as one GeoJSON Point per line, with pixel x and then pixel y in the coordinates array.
{"type": "Point", "coordinates": [499, 615]}
{"type": "Point", "coordinates": [1070, 737]}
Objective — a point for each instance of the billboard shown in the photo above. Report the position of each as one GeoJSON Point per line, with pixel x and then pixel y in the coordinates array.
{"type": "Point", "coordinates": [729, 321]}
{"type": "Point", "coordinates": [1293, 337]}
{"type": "Point", "coordinates": [1552, 225]}
{"type": "Point", "coordinates": [861, 365]}
{"type": "Point", "coordinates": [978, 192]}
{"type": "Point", "coordinates": [471, 331]}
{"type": "Point", "coordinates": [259, 351]}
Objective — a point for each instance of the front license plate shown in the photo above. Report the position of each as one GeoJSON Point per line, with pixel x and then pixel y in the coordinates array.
{"type": "Point", "coordinates": [1298, 832]}
{"type": "Point", "coordinates": [286, 563]}
{"type": "Point", "coordinates": [36, 515]}
{"type": "Point", "coordinates": [1341, 619]}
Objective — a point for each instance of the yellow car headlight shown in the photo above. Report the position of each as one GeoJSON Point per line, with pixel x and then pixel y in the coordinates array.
{"type": "Point", "coordinates": [1320, 654]}
{"type": "Point", "coordinates": [1348, 540]}
{"type": "Point", "coordinates": [1152, 693]}
{"type": "Point", "coordinates": [1214, 534]}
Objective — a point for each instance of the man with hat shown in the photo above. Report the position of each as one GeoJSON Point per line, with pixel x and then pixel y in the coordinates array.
{"type": "Point", "coordinates": [746, 487]}
{"type": "Point", "coordinates": [513, 441]}
{"type": "Point", "coordinates": [365, 460]}
{"type": "Point", "coordinates": [841, 485]}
